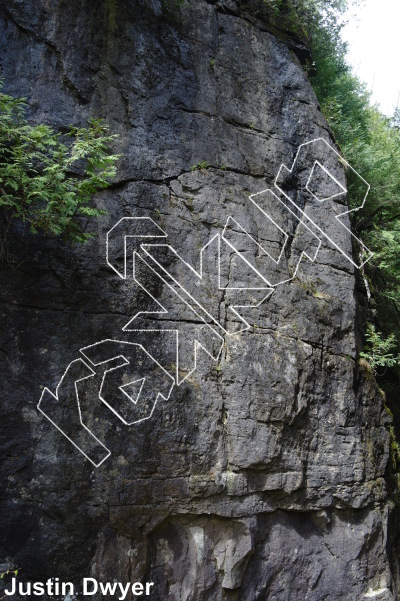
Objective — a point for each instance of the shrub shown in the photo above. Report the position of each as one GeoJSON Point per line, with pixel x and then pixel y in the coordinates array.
{"type": "Point", "coordinates": [48, 179]}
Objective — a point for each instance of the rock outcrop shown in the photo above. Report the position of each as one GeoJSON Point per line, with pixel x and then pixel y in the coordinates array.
{"type": "Point", "coordinates": [263, 476]}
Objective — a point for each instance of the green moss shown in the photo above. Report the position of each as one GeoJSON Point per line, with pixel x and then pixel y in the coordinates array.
{"type": "Point", "coordinates": [321, 295]}
{"type": "Point", "coordinates": [307, 285]}
{"type": "Point", "coordinates": [388, 410]}
{"type": "Point", "coordinates": [363, 363]}
{"type": "Point", "coordinates": [172, 9]}
{"type": "Point", "coordinates": [394, 450]}
{"type": "Point", "coordinates": [111, 16]}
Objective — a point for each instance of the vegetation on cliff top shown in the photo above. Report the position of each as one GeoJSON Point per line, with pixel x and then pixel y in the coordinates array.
{"type": "Point", "coordinates": [370, 142]}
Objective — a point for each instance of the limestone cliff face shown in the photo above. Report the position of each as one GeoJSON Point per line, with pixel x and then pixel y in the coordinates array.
{"type": "Point", "coordinates": [263, 475]}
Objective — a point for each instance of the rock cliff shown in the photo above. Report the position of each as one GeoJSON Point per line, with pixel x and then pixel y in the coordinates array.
{"type": "Point", "coordinates": [264, 475]}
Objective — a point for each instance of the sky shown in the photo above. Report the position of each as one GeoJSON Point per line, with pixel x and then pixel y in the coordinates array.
{"type": "Point", "coordinates": [373, 40]}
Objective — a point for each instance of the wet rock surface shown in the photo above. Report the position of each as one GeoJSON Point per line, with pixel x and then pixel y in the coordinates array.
{"type": "Point", "coordinates": [263, 476]}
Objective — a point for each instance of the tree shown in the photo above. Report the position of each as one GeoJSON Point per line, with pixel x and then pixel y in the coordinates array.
{"type": "Point", "coordinates": [48, 179]}
{"type": "Point", "coordinates": [370, 142]}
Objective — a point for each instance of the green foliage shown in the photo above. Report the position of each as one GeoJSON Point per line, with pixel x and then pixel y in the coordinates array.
{"type": "Point", "coordinates": [47, 180]}
{"type": "Point", "coordinates": [173, 3]}
{"type": "Point", "coordinates": [171, 8]}
{"type": "Point", "coordinates": [8, 572]}
{"type": "Point", "coordinates": [263, 9]}
{"type": "Point", "coordinates": [377, 157]}
{"type": "Point", "coordinates": [370, 142]}
{"type": "Point", "coordinates": [199, 166]}
{"type": "Point", "coordinates": [297, 16]}
{"type": "Point", "coordinates": [378, 350]}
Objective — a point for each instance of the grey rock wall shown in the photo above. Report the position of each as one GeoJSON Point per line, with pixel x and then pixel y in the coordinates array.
{"type": "Point", "coordinates": [264, 476]}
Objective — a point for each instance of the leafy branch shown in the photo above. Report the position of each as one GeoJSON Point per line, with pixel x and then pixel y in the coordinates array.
{"type": "Point", "coordinates": [378, 351]}
{"type": "Point", "coordinates": [48, 179]}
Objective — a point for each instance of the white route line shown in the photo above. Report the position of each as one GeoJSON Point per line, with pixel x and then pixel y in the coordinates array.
{"type": "Point", "coordinates": [55, 396]}
{"type": "Point", "coordinates": [163, 310]}
{"type": "Point", "coordinates": [126, 362]}
{"type": "Point", "coordinates": [152, 230]}
{"type": "Point", "coordinates": [310, 177]}
{"type": "Point", "coordinates": [159, 233]}
{"type": "Point", "coordinates": [183, 292]}
{"type": "Point", "coordinates": [306, 216]}
{"type": "Point", "coordinates": [121, 388]}
{"type": "Point", "coordinates": [276, 261]}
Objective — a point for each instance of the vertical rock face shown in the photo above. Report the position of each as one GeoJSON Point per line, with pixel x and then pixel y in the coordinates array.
{"type": "Point", "coordinates": [263, 475]}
